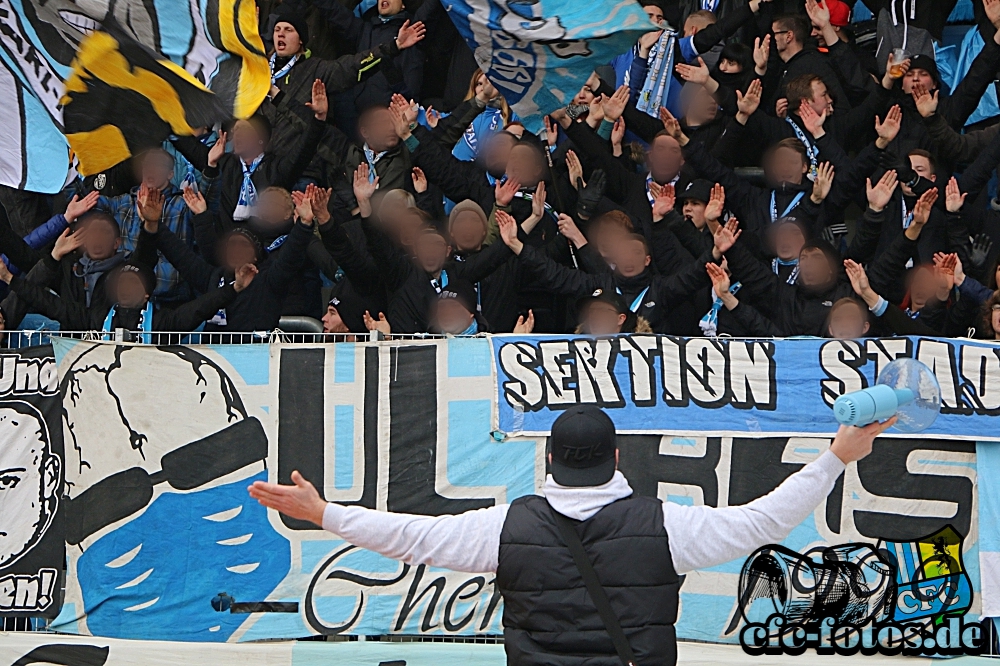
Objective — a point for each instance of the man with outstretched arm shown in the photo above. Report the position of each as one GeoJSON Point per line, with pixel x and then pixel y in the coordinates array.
{"type": "Point", "coordinates": [636, 545]}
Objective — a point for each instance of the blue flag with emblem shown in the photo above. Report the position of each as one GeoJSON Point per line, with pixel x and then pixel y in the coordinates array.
{"type": "Point", "coordinates": [539, 53]}
{"type": "Point", "coordinates": [931, 579]}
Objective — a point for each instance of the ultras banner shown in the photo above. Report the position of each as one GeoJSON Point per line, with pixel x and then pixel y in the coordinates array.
{"type": "Point", "coordinates": [165, 543]}
{"type": "Point", "coordinates": [657, 383]}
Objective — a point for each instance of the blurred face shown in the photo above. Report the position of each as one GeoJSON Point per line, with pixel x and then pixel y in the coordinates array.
{"type": "Point", "coordinates": [389, 7]}
{"type": "Point", "coordinates": [332, 323]}
{"type": "Point", "coordinates": [102, 239]}
{"type": "Point", "coordinates": [821, 100]}
{"type": "Point", "coordinates": [247, 141]}
{"type": "Point", "coordinates": [606, 238]}
{"type": "Point", "coordinates": [378, 131]}
{"type": "Point", "coordinates": [131, 291]}
{"type": "Point", "coordinates": [409, 228]}
{"type": "Point", "coordinates": [848, 321]}
{"type": "Point", "coordinates": [601, 319]}
{"type": "Point", "coordinates": [157, 170]}
{"type": "Point", "coordinates": [788, 241]}
{"type": "Point", "coordinates": [431, 251]}
{"type": "Point", "coordinates": [484, 83]}
{"type": "Point", "coordinates": [451, 316]}
{"type": "Point", "coordinates": [923, 287]}
{"type": "Point", "coordinates": [654, 13]}
{"type": "Point", "coordinates": [702, 107]}
{"type": "Point", "coordinates": [918, 76]}
{"type": "Point", "coordinates": [274, 207]}
{"type": "Point", "coordinates": [665, 159]}
{"type": "Point", "coordinates": [727, 66]}
{"type": "Point", "coordinates": [786, 165]}
{"type": "Point", "coordinates": [631, 257]}
{"type": "Point", "coordinates": [286, 40]}
{"type": "Point", "coordinates": [814, 268]}
{"type": "Point", "coordinates": [694, 210]}
{"type": "Point", "coordinates": [995, 321]}
{"type": "Point", "coordinates": [496, 152]}
{"type": "Point", "coordinates": [238, 251]}
{"type": "Point", "coordinates": [586, 94]}
{"type": "Point", "coordinates": [468, 231]}
{"type": "Point", "coordinates": [524, 165]}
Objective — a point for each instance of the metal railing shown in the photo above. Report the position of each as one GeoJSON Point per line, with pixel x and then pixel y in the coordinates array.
{"type": "Point", "coordinates": [21, 339]}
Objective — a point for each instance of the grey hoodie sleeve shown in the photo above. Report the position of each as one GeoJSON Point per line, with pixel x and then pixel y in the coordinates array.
{"type": "Point", "coordinates": [704, 536]}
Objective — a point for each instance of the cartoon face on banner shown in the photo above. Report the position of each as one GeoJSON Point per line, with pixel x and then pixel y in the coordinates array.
{"type": "Point", "coordinates": [29, 480]}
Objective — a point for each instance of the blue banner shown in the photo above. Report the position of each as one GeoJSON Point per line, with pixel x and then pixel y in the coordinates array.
{"type": "Point", "coordinates": [701, 386]}
{"type": "Point", "coordinates": [539, 53]}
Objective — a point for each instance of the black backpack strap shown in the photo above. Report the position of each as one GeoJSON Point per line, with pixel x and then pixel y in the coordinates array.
{"type": "Point", "coordinates": [597, 593]}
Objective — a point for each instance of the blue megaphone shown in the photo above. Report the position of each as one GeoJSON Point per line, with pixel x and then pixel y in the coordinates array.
{"type": "Point", "coordinates": [906, 388]}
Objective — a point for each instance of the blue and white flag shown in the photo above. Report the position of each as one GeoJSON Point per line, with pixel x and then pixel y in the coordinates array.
{"type": "Point", "coordinates": [539, 53]}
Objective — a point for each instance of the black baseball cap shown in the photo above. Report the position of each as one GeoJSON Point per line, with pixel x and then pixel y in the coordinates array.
{"type": "Point", "coordinates": [583, 445]}
{"type": "Point", "coordinates": [605, 296]}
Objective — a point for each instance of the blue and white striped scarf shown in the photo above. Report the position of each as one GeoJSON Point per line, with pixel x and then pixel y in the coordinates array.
{"type": "Point", "coordinates": [655, 89]}
{"type": "Point", "coordinates": [248, 193]}
{"type": "Point", "coordinates": [709, 324]}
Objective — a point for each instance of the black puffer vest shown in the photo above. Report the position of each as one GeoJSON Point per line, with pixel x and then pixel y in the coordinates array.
{"type": "Point", "coordinates": [549, 617]}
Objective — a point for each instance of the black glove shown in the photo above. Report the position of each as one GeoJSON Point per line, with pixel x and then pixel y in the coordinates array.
{"type": "Point", "coordinates": [981, 246]}
{"type": "Point", "coordinates": [588, 197]}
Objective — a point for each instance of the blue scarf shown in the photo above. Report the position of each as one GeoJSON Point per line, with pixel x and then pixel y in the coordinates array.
{"type": "Point", "coordinates": [440, 283]}
{"type": "Point", "coordinates": [472, 330]}
{"type": "Point", "coordinates": [284, 70]}
{"type": "Point", "coordinates": [145, 323]}
{"type": "Point", "coordinates": [220, 317]}
{"type": "Point", "coordinates": [811, 150]}
{"type": "Point", "coordinates": [776, 263]}
{"type": "Point", "coordinates": [190, 174]}
{"type": "Point", "coordinates": [774, 206]}
{"type": "Point", "coordinates": [372, 158]}
{"type": "Point", "coordinates": [709, 324]}
{"type": "Point", "coordinates": [638, 299]}
{"type": "Point", "coordinates": [248, 192]}
{"type": "Point", "coordinates": [656, 87]}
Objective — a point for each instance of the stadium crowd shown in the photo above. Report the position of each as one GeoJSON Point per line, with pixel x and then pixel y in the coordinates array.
{"type": "Point", "coordinates": [806, 185]}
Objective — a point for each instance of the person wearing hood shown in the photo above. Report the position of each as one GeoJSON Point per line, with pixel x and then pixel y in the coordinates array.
{"type": "Point", "coordinates": [256, 162]}
{"type": "Point", "coordinates": [129, 288]}
{"type": "Point", "coordinates": [649, 294]}
{"type": "Point", "coordinates": [767, 305]}
{"type": "Point", "coordinates": [257, 308]}
{"type": "Point", "coordinates": [637, 546]}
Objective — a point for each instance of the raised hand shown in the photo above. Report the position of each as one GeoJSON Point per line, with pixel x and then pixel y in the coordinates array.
{"type": "Point", "coordinates": [524, 326]}
{"type": "Point", "coordinates": [68, 242]}
{"type": "Point", "coordinates": [761, 52]}
{"type": "Point", "coordinates": [981, 246]}
{"type": "Point", "coordinates": [617, 135]}
{"type": "Point", "coordinates": [954, 199]}
{"type": "Point", "coordinates": [664, 202]}
{"type": "Point", "coordinates": [818, 13]}
{"type": "Point", "coordinates": [614, 106]}
{"type": "Point", "coordinates": [303, 207]}
{"type": "Point", "coordinates": [781, 107]}
{"type": "Point", "coordinates": [720, 279]}
{"type": "Point", "coordinates": [646, 42]}
{"type": "Point", "coordinates": [888, 80]}
{"type": "Point", "coordinates": [596, 111]}
{"type": "Point", "coordinates": [244, 276]}
{"type": "Point", "coordinates": [5, 274]}
{"type": "Point", "coordinates": [551, 131]}
{"type": "Point", "coordinates": [568, 228]}
{"type": "Point", "coordinates": [747, 103]}
{"type": "Point", "coordinates": [725, 237]}
{"type": "Point", "coordinates": [77, 206]}
{"type": "Point", "coordinates": [409, 35]}
{"type": "Point", "coordinates": [927, 102]}
{"type": "Point", "coordinates": [694, 74]}
{"type": "Point", "coordinates": [922, 209]}
{"type": "Point", "coordinates": [319, 199]}
{"type": "Point", "coordinates": [813, 121]}
{"type": "Point", "coordinates": [508, 231]}
{"type": "Point", "coordinates": [419, 180]}
{"type": "Point", "coordinates": [538, 200]}
{"type": "Point", "coordinates": [859, 282]}
{"type": "Point", "coordinates": [364, 187]}
{"type": "Point", "coordinates": [217, 150]}
{"type": "Point", "coordinates": [433, 117]}
{"type": "Point", "coordinates": [823, 182]}
{"type": "Point", "coordinates": [888, 129]}
{"type": "Point", "coordinates": [945, 264]}
{"type": "Point", "coordinates": [671, 124]}
{"type": "Point", "coordinates": [575, 169]}
{"type": "Point", "coordinates": [589, 196]}
{"type": "Point", "coordinates": [503, 192]}
{"type": "Point", "coordinates": [150, 202]}
{"type": "Point", "coordinates": [716, 203]}
{"type": "Point", "coordinates": [194, 199]}
{"type": "Point", "coordinates": [880, 194]}
{"type": "Point", "coordinates": [320, 105]}
{"type": "Point", "coordinates": [381, 324]}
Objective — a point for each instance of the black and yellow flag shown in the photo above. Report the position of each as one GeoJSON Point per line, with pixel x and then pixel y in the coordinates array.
{"type": "Point", "coordinates": [123, 97]}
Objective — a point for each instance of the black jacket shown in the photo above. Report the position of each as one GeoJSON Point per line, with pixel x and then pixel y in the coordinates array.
{"type": "Point", "coordinates": [806, 61]}
{"type": "Point", "coordinates": [256, 308]}
{"type": "Point", "coordinates": [653, 292]}
{"type": "Point", "coordinates": [548, 616]}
